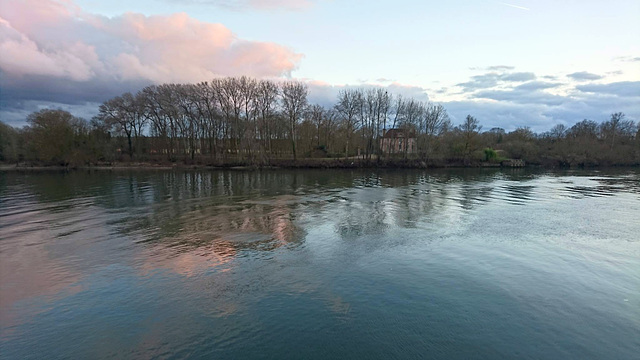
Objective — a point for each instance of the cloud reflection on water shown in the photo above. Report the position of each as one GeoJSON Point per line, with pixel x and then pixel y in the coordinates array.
{"type": "Point", "coordinates": [59, 228]}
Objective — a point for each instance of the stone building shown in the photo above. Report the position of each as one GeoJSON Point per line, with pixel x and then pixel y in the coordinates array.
{"type": "Point", "coordinates": [398, 141]}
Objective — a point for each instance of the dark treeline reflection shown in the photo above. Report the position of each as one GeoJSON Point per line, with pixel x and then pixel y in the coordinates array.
{"type": "Point", "coordinates": [232, 264]}
{"type": "Point", "coordinates": [227, 211]}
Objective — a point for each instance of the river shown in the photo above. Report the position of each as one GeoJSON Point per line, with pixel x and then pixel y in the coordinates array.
{"type": "Point", "coordinates": [319, 264]}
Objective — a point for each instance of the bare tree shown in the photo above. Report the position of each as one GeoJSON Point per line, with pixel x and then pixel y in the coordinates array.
{"type": "Point", "coordinates": [294, 103]}
{"type": "Point", "coordinates": [248, 91]}
{"type": "Point", "coordinates": [267, 107]}
{"type": "Point", "coordinates": [614, 127]}
{"type": "Point", "coordinates": [397, 110]}
{"type": "Point", "coordinates": [119, 113]}
{"type": "Point", "coordinates": [349, 106]}
{"type": "Point", "coordinates": [470, 129]}
{"type": "Point", "coordinates": [157, 103]}
{"type": "Point", "coordinates": [382, 113]}
{"type": "Point", "coordinates": [558, 132]}
{"type": "Point", "coordinates": [205, 103]}
{"type": "Point", "coordinates": [191, 116]}
{"type": "Point", "coordinates": [254, 119]}
{"type": "Point", "coordinates": [330, 122]}
{"type": "Point", "coordinates": [435, 119]}
{"type": "Point", "coordinates": [231, 103]}
{"type": "Point", "coordinates": [316, 115]}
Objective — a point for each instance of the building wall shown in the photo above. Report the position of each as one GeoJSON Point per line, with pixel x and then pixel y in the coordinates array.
{"type": "Point", "coordinates": [398, 145]}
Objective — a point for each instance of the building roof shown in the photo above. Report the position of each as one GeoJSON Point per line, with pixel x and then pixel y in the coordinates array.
{"type": "Point", "coordinates": [397, 133]}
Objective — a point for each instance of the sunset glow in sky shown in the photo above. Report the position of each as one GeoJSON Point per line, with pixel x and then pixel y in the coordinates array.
{"type": "Point", "coordinates": [530, 63]}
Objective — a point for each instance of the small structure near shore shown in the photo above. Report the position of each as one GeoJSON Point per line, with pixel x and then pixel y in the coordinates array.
{"type": "Point", "coordinates": [398, 141]}
{"type": "Point", "coordinates": [513, 163]}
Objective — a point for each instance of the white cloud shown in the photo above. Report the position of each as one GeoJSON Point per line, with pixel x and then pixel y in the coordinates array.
{"type": "Point", "coordinates": [326, 94]}
{"type": "Point", "coordinates": [584, 76]}
{"type": "Point", "coordinates": [622, 89]}
{"type": "Point", "coordinates": [252, 4]}
{"type": "Point", "coordinates": [492, 79]}
{"type": "Point", "coordinates": [47, 45]}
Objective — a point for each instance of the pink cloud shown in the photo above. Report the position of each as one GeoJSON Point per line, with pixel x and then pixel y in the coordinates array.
{"type": "Point", "coordinates": [253, 4]}
{"type": "Point", "coordinates": [59, 40]}
{"type": "Point", "coordinates": [22, 56]}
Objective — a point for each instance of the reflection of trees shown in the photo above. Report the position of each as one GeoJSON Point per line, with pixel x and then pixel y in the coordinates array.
{"type": "Point", "coordinates": [358, 219]}
{"type": "Point", "coordinates": [68, 225]}
{"type": "Point", "coordinates": [474, 194]}
{"type": "Point", "coordinates": [519, 193]}
{"type": "Point", "coordinates": [222, 213]}
{"type": "Point", "coordinates": [399, 201]}
{"type": "Point", "coordinates": [57, 186]}
{"type": "Point", "coordinates": [628, 183]}
{"type": "Point", "coordinates": [207, 218]}
{"type": "Point", "coordinates": [409, 198]}
{"type": "Point", "coordinates": [211, 236]}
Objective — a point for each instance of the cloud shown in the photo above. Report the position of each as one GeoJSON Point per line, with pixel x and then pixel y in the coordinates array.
{"type": "Point", "coordinates": [409, 91]}
{"type": "Point", "coordinates": [527, 92]}
{"type": "Point", "coordinates": [506, 115]}
{"type": "Point", "coordinates": [542, 115]}
{"type": "Point", "coordinates": [252, 4]}
{"type": "Point", "coordinates": [275, 4]}
{"type": "Point", "coordinates": [518, 77]}
{"type": "Point", "coordinates": [22, 56]}
{"type": "Point", "coordinates": [500, 68]}
{"type": "Point", "coordinates": [525, 104]}
{"type": "Point", "coordinates": [516, 6]}
{"type": "Point", "coordinates": [492, 79]}
{"type": "Point", "coordinates": [16, 114]}
{"type": "Point", "coordinates": [627, 58]}
{"type": "Point", "coordinates": [537, 85]}
{"type": "Point", "coordinates": [584, 76]}
{"type": "Point", "coordinates": [509, 105]}
{"type": "Point", "coordinates": [53, 54]}
{"type": "Point", "coordinates": [53, 51]}
{"type": "Point", "coordinates": [622, 89]}
{"type": "Point", "coordinates": [479, 82]}
{"type": "Point", "coordinates": [326, 94]}
{"type": "Point", "coordinates": [521, 96]}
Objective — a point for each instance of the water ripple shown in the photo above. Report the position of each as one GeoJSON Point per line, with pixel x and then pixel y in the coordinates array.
{"type": "Point", "coordinates": [227, 263]}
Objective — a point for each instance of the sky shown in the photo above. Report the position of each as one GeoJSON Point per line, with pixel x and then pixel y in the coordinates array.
{"type": "Point", "coordinates": [534, 63]}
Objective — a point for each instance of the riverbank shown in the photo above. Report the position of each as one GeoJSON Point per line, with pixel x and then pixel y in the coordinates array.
{"type": "Point", "coordinates": [321, 163]}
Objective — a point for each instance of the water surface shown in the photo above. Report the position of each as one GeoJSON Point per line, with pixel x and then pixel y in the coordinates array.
{"type": "Point", "coordinates": [320, 264]}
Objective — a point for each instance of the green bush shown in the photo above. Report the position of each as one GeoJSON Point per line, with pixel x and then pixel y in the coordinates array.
{"type": "Point", "coordinates": [490, 154]}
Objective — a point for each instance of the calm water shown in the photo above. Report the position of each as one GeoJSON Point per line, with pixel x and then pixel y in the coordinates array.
{"type": "Point", "coordinates": [320, 264]}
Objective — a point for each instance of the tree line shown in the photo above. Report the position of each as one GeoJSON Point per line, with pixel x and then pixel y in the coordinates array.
{"type": "Point", "coordinates": [241, 120]}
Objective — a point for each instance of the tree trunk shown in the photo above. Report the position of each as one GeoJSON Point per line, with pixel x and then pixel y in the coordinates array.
{"type": "Point", "coordinates": [130, 145]}
{"type": "Point", "coordinates": [293, 147]}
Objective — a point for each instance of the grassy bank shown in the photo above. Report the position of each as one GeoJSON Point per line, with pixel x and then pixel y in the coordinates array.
{"type": "Point", "coordinates": [317, 163]}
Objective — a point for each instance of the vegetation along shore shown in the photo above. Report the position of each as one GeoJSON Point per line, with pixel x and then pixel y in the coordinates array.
{"type": "Point", "coordinates": [240, 122]}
